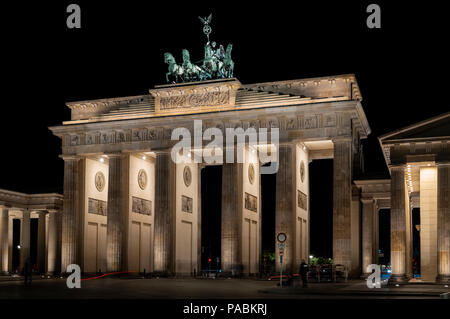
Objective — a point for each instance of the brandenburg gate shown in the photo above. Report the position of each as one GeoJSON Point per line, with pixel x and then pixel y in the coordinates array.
{"type": "Point", "coordinates": [128, 206]}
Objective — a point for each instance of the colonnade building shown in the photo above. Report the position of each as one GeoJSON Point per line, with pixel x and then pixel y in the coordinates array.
{"type": "Point", "coordinates": [128, 206]}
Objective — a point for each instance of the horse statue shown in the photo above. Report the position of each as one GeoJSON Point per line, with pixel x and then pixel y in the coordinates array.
{"type": "Point", "coordinates": [191, 71]}
{"type": "Point", "coordinates": [174, 69]}
{"type": "Point", "coordinates": [228, 64]}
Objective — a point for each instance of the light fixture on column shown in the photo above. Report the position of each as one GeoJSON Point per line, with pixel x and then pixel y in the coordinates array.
{"type": "Point", "coordinates": [101, 159]}
{"type": "Point", "coordinates": [144, 157]}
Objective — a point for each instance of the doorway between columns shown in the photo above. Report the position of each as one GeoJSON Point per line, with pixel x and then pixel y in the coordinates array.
{"type": "Point", "coordinates": [211, 218]}
{"type": "Point", "coordinates": [16, 246]}
{"type": "Point", "coordinates": [416, 242]}
{"type": "Point", "coordinates": [268, 198]}
{"type": "Point", "coordinates": [321, 208]}
{"type": "Point", "coordinates": [384, 239]}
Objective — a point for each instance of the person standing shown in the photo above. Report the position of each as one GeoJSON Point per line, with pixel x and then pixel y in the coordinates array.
{"type": "Point", "coordinates": [304, 268]}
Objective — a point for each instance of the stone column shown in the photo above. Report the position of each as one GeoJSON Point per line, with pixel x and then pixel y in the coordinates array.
{"type": "Point", "coordinates": [4, 231]}
{"type": "Point", "coordinates": [367, 233]}
{"type": "Point", "coordinates": [116, 234]}
{"type": "Point", "coordinates": [342, 196]}
{"type": "Point", "coordinates": [71, 214]}
{"type": "Point", "coordinates": [54, 243]}
{"type": "Point", "coordinates": [398, 223]}
{"type": "Point", "coordinates": [231, 232]}
{"type": "Point", "coordinates": [24, 238]}
{"type": "Point", "coordinates": [199, 220]}
{"type": "Point", "coordinates": [285, 209]}
{"type": "Point", "coordinates": [164, 210]}
{"type": "Point", "coordinates": [41, 248]}
{"type": "Point", "coordinates": [443, 223]}
{"type": "Point", "coordinates": [375, 234]}
{"type": "Point", "coordinates": [10, 244]}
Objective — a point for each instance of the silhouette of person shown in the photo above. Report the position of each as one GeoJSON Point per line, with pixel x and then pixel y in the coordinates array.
{"type": "Point", "coordinates": [27, 271]}
{"type": "Point", "coordinates": [304, 268]}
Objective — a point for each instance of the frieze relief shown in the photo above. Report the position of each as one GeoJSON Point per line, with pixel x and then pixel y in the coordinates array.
{"type": "Point", "coordinates": [194, 100]}
{"type": "Point", "coordinates": [301, 122]}
{"type": "Point", "coordinates": [329, 120]}
{"type": "Point", "coordinates": [310, 122]}
{"type": "Point", "coordinates": [291, 123]}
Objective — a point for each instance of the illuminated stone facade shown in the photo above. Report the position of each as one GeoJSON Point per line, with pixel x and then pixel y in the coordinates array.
{"type": "Point", "coordinates": [47, 210]}
{"type": "Point", "coordinates": [317, 118]}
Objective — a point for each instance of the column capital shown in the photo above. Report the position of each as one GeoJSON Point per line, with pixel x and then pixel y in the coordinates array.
{"type": "Point", "coordinates": [162, 151]}
{"type": "Point", "coordinates": [397, 166]}
{"type": "Point", "coordinates": [367, 200]}
{"type": "Point", "coordinates": [117, 154]}
{"type": "Point", "coordinates": [70, 157]}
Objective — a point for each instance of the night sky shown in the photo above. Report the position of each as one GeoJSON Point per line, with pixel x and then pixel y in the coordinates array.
{"type": "Point", "coordinates": [119, 52]}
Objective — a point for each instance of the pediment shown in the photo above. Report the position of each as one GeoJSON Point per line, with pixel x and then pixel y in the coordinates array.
{"type": "Point", "coordinates": [436, 127]}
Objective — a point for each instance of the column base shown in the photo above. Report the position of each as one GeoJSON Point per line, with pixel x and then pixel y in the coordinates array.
{"type": "Point", "coordinates": [397, 279]}
{"type": "Point", "coordinates": [364, 275]}
{"type": "Point", "coordinates": [443, 279]}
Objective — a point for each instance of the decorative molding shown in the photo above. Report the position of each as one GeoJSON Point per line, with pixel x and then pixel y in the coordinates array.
{"type": "Point", "coordinates": [251, 173]}
{"type": "Point", "coordinates": [99, 181]}
{"type": "Point", "coordinates": [142, 179]}
{"type": "Point", "coordinates": [187, 176]}
{"type": "Point", "coordinates": [203, 95]}
{"type": "Point", "coordinates": [302, 171]}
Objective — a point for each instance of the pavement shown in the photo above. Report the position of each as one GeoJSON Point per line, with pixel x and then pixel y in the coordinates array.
{"type": "Point", "coordinates": [190, 288]}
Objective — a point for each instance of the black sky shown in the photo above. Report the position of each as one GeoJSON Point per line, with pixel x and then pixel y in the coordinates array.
{"type": "Point", "coordinates": [119, 52]}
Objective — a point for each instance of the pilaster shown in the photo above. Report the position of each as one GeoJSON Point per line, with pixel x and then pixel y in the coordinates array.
{"type": "Point", "coordinates": [443, 222]}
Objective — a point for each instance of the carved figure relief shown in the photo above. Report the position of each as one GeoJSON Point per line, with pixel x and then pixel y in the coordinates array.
{"type": "Point", "coordinates": [142, 178]}
{"type": "Point", "coordinates": [302, 171]}
{"type": "Point", "coordinates": [100, 181]}
{"type": "Point", "coordinates": [187, 176]}
{"type": "Point", "coordinates": [251, 173]}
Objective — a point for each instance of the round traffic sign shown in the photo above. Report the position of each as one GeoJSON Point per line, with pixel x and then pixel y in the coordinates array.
{"type": "Point", "coordinates": [281, 237]}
